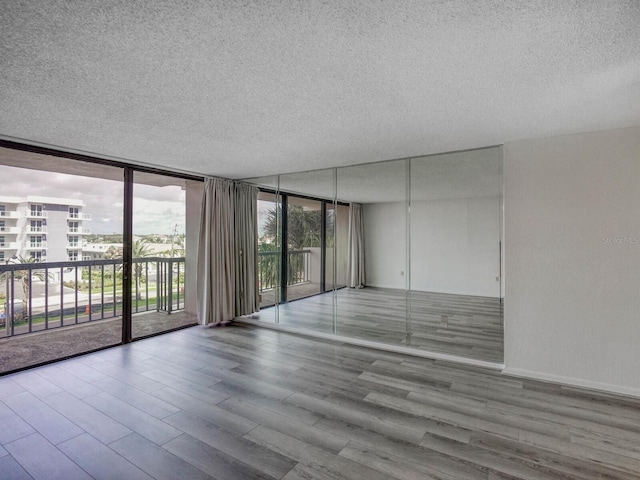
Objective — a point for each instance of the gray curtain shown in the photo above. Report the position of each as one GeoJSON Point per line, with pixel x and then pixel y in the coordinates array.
{"type": "Point", "coordinates": [246, 249]}
{"type": "Point", "coordinates": [355, 272]}
{"type": "Point", "coordinates": [215, 282]}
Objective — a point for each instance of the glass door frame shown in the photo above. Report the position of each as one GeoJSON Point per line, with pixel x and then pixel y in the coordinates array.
{"type": "Point", "coordinates": [284, 206]}
{"type": "Point", "coordinates": [127, 227]}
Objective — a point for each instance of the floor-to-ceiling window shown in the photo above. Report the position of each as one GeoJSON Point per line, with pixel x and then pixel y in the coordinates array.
{"type": "Point", "coordinates": [71, 270]}
{"type": "Point", "coordinates": [158, 254]}
{"type": "Point", "coordinates": [62, 224]}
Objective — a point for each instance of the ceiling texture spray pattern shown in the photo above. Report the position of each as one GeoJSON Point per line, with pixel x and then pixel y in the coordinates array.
{"type": "Point", "coordinates": [247, 88]}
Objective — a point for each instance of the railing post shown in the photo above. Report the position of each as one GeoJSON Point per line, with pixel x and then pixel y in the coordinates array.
{"type": "Point", "coordinates": [170, 282]}
{"type": "Point", "coordinates": [158, 289]}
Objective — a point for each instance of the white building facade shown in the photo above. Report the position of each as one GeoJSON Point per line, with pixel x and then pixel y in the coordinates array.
{"type": "Point", "coordinates": [48, 229]}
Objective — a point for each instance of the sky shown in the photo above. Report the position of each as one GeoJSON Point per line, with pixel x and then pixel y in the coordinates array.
{"type": "Point", "coordinates": [156, 210]}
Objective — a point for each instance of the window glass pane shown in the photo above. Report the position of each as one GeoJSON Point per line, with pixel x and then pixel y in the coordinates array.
{"type": "Point", "coordinates": [44, 287]}
{"type": "Point", "coordinates": [159, 255]}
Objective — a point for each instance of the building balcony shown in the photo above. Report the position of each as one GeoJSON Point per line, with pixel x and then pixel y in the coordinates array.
{"type": "Point", "coordinates": [74, 246]}
{"type": "Point", "coordinates": [36, 214]}
{"type": "Point", "coordinates": [9, 214]}
{"type": "Point", "coordinates": [9, 245]}
{"type": "Point", "coordinates": [37, 229]}
{"type": "Point", "coordinates": [78, 231]}
{"type": "Point", "coordinates": [78, 216]}
{"type": "Point", "coordinates": [9, 230]}
{"type": "Point", "coordinates": [57, 301]}
{"type": "Point", "coordinates": [37, 246]}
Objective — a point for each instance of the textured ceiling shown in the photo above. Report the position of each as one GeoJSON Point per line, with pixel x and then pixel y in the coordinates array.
{"type": "Point", "coordinates": [468, 174]}
{"type": "Point", "coordinates": [248, 88]}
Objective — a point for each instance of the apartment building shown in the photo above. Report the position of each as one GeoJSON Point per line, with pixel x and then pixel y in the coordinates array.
{"type": "Point", "coordinates": [44, 228]}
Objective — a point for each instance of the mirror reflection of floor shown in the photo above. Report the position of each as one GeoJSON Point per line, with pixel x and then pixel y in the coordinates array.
{"type": "Point", "coordinates": [461, 325]}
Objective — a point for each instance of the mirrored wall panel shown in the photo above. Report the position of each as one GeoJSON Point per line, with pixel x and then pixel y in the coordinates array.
{"type": "Point", "coordinates": [308, 234]}
{"type": "Point", "coordinates": [404, 252]}
{"type": "Point", "coordinates": [269, 248]}
{"type": "Point", "coordinates": [374, 307]}
{"type": "Point", "coordinates": [456, 204]}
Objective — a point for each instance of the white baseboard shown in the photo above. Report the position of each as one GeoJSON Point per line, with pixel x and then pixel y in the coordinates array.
{"type": "Point", "coordinates": [573, 382]}
{"type": "Point", "coordinates": [369, 344]}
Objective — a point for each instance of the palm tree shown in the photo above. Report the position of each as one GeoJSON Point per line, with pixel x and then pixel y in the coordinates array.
{"type": "Point", "coordinates": [304, 230]}
{"type": "Point", "coordinates": [303, 226]}
{"type": "Point", "coordinates": [24, 276]}
{"type": "Point", "coordinates": [141, 249]}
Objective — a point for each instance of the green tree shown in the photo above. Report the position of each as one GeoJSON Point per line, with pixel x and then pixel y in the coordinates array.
{"type": "Point", "coordinates": [304, 230]}
{"type": "Point", "coordinates": [141, 249]}
{"type": "Point", "coordinates": [24, 277]}
{"type": "Point", "coordinates": [304, 227]}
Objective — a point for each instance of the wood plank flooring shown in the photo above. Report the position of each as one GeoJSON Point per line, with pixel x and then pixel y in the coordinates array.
{"type": "Point", "coordinates": [473, 325]}
{"type": "Point", "coordinates": [243, 402]}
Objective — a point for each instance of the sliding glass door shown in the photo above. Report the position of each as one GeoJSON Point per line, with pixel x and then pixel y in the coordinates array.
{"type": "Point", "coordinates": [61, 237]}
{"type": "Point", "coordinates": [269, 251]}
{"type": "Point", "coordinates": [158, 250]}
{"type": "Point", "coordinates": [304, 233]}
{"type": "Point", "coordinates": [91, 254]}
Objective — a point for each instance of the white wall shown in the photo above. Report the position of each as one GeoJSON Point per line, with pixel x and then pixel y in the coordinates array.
{"type": "Point", "coordinates": [572, 305]}
{"type": "Point", "coordinates": [385, 244]}
{"type": "Point", "coordinates": [454, 245]}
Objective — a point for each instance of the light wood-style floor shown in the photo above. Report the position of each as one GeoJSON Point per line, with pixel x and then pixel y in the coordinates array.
{"type": "Point", "coordinates": [472, 328]}
{"type": "Point", "coordinates": [243, 402]}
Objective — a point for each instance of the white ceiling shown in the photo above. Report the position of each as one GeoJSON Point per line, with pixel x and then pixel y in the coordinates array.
{"type": "Point", "coordinates": [242, 89]}
{"type": "Point", "coordinates": [467, 174]}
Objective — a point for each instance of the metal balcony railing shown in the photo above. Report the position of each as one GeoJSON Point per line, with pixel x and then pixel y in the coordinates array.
{"type": "Point", "coordinates": [36, 214]}
{"type": "Point", "coordinates": [41, 296]}
{"type": "Point", "coordinates": [269, 268]}
{"type": "Point", "coordinates": [9, 214]}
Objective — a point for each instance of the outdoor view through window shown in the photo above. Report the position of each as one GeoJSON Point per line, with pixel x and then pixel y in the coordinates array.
{"type": "Point", "coordinates": [61, 250]}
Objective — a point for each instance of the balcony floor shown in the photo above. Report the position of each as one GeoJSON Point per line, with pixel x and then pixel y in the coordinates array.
{"type": "Point", "coordinates": [23, 351]}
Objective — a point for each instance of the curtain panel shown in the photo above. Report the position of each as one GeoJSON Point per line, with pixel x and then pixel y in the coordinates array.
{"type": "Point", "coordinates": [227, 273]}
{"type": "Point", "coordinates": [355, 270]}
{"type": "Point", "coordinates": [246, 249]}
{"type": "Point", "coordinates": [216, 279]}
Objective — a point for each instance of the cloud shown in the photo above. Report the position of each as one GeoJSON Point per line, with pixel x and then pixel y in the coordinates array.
{"type": "Point", "coordinates": [156, 209]}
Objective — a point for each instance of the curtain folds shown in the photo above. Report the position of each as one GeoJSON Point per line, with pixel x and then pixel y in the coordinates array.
{"type": "Point", "coordinates": [215, 253]}
{"type": "Point", "coordinates": [355, 271]}
{"type": "Point", "coordinates": [246, 249]}
{"type": "Point", "coordinates": [227, 252]}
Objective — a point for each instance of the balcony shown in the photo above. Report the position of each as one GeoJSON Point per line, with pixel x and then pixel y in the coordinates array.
{"type": "Point", "coordinates": [74, 246]}
{"type": "Point", "coordinates": [9, 245]}
{"type": "Point", "coordinates": [36, 214]}
{"type": "Point", "coordinates": [78, 216]}
{"type": "Point", "coordinates": [37, 246]}
{"type": "Point", "coordinates": [9, 214]}
{"type": "Point", "coordinates": [303, 279]}
{"type": "Point", "coordinates": [32, 229]}
{"type": "Point", "coordinates": [9, 230]}
{"type": "Point", "coordinates": [43, 296]}
{"type": "Point", "coordinates": [78, 231]}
